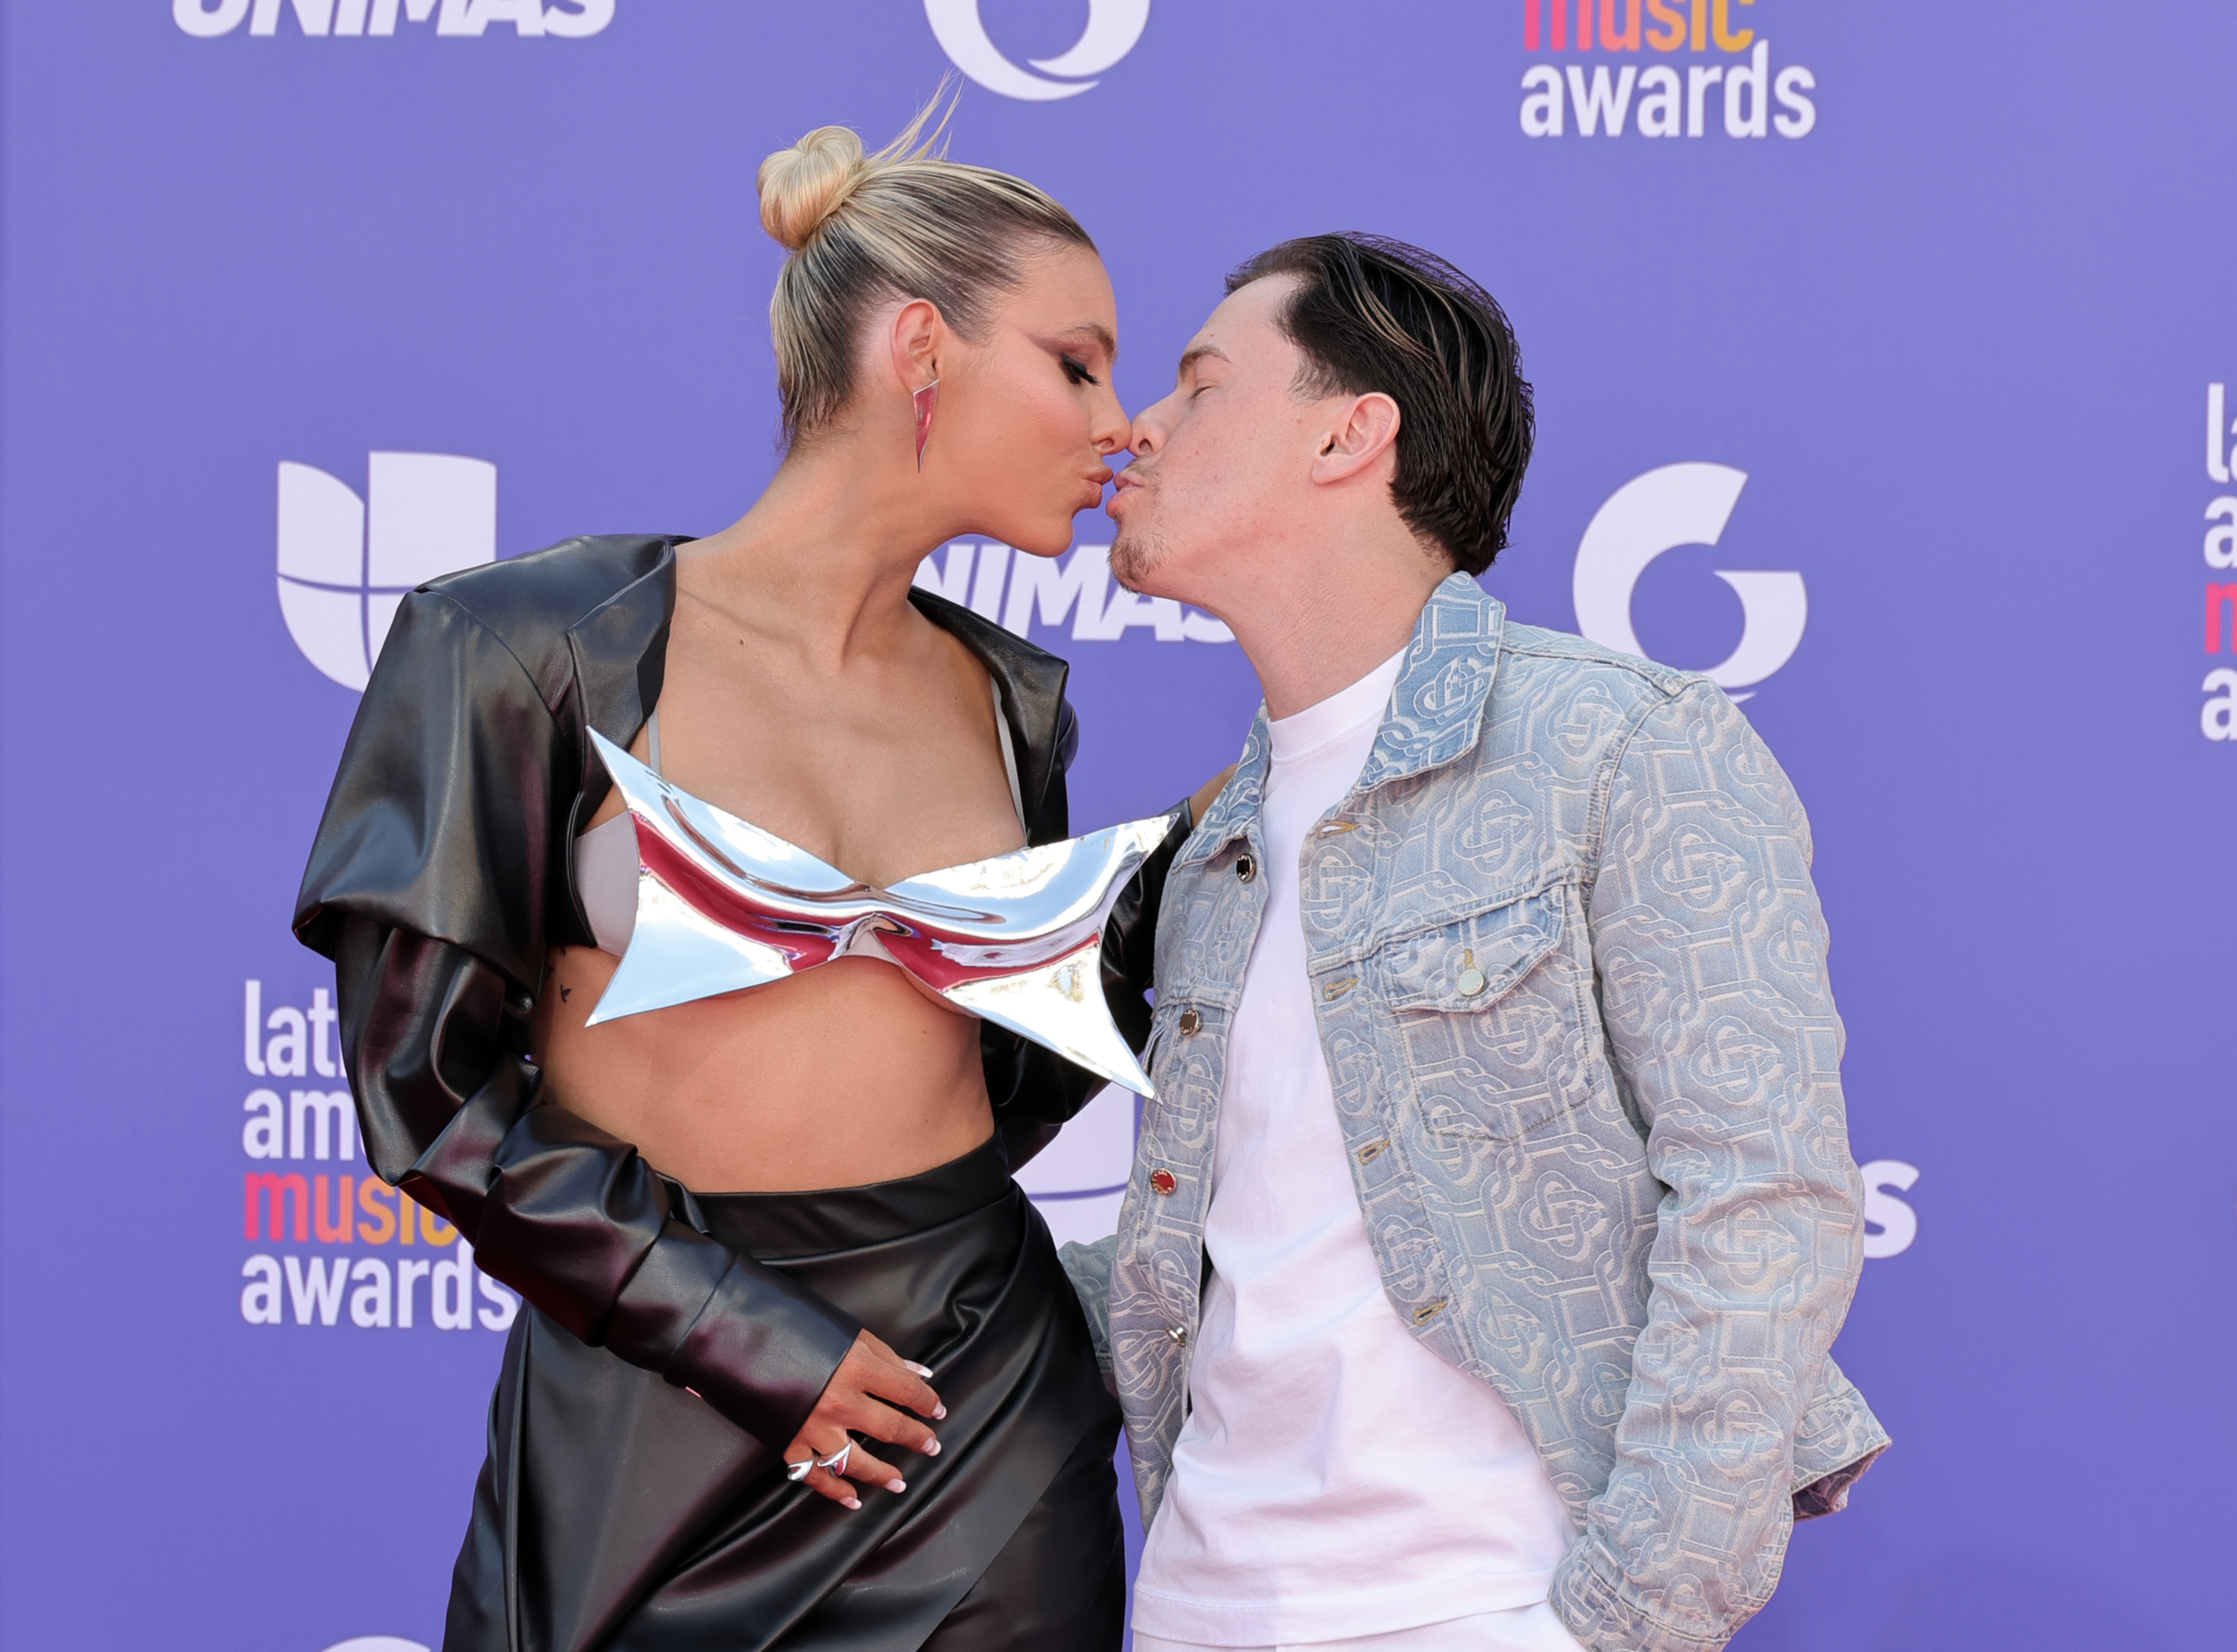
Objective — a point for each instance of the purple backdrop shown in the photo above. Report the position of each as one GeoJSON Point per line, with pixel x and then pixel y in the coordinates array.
{"type": "Point", "coordinates": [1939, 291]}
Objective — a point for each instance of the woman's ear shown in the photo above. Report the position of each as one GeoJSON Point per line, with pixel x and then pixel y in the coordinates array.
{"type": "Point", "coordinates": [916, 336]}
{"type": "Point", "coordinates": [1364, 429]}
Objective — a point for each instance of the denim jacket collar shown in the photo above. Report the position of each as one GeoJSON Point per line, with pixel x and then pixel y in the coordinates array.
{"type": "Point", "coordinates": [1436, 713]}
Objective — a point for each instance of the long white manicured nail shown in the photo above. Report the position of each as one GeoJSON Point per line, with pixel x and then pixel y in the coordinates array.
{"type": "Point", "coordinates": [924, 1371]}
{"type": "Point", "coordinates": [932, 1450]}
{"type": "Point", "coordinates": [939, 1411]}
{"type": "Point", "coordinates": [896, 1485]}
{"type": "Point", "coordinates": [852, 1503]}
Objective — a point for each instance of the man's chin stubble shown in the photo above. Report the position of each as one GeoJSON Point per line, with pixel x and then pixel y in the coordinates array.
{"type": "Point", "coordinates": [1134, 557]}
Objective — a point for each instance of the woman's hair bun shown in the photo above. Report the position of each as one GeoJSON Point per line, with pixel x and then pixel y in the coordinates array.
{"type": "Point", "coordinates": [802, 186]}
{"type": "Point", "coordinates": [916, 225]}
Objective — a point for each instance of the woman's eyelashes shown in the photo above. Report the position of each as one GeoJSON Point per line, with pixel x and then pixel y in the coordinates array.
{"type": "Point", "coordinates": [1076, 370]}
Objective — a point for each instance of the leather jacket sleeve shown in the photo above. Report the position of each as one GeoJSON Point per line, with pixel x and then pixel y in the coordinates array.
{"type": "Point", "coordinates": [567, 1215]}
{"type": "Point", "coordinates": [426, 886]}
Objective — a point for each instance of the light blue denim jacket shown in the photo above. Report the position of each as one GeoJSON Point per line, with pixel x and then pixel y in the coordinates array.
{"type": "Point", "coordinates": [1569, 973]}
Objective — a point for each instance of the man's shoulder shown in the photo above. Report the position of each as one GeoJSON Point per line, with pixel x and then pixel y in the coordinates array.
{"type": "Point", "coordinates": [1553, 686]}
{"type": "Point", "coordinates": [1560, 662]}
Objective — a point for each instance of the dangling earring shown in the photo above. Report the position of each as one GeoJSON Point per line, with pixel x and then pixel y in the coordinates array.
{"type": "Point", "coordinates": [925, 401]}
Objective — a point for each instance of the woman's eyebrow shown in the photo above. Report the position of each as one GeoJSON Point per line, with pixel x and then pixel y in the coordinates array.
{"type": "Point", "coordinates": [1095, 330]}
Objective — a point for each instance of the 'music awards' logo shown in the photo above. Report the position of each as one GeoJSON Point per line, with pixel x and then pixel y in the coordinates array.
{"type": "Point", "coordinates": [2217, 718]}
{"type": "Point", "coordinates": [1113, 26]}
{"type": "Point", "coordinates": [1727, 72]}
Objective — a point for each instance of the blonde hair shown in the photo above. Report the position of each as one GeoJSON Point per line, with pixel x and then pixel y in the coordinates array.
{"type": "Point", "coordinates": [903, 223]}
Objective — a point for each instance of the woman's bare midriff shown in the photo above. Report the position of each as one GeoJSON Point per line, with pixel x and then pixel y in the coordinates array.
{"type": "Point", "coordinates": [844, 1074]}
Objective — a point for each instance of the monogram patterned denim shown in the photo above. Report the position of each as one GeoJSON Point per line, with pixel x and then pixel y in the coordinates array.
{"type": "Point", "coordinates": [1568, 969]}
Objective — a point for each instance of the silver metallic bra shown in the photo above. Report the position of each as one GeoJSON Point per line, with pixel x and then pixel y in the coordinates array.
{"type": "Point", "coordinates": [722, 906]}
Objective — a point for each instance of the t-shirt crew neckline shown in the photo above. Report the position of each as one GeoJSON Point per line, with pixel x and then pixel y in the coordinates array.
{"type": "Point", "coordinates": [1303, 734]}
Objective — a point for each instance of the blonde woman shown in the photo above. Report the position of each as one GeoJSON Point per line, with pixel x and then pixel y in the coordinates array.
{"type": "Point", "coordinates": [731, 1218]}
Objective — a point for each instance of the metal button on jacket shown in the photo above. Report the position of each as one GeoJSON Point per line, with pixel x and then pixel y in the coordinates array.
{"type": "Point", "coordinates": [1189, 1021]}
{"type": "Point", "coordinates": [1471, 980]}
{"type": "Point", "coordinates": [1161, 1181]}
{"type": "Point", "coordinates": [1178, 1333]}
{"type": "Point", "coordinates": [1245, 867]}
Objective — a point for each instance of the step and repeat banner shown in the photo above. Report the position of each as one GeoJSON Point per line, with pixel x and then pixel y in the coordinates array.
{"type": "Point", "coordinates": [1881, 356]}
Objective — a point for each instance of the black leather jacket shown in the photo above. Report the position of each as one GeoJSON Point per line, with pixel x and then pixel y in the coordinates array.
{"type": "Point", "coordinates": [443, 871]}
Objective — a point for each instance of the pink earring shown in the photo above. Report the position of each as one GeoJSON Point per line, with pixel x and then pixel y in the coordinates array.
{"type": "Point", "coordinates": [925, 401]}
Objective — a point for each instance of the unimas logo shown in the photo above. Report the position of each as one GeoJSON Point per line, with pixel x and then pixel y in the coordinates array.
{"type": "Point", "coordinates": [1075, 590]}
{"type": "Point", "coordinates": [568, 19]}
{"type": "Point", "coordinates": [1113, 26]}
{"type": "Point", "coordinates": [346, 563]}
{"type": "Point", "coordinates": [1728, 72]}
{"type": "Point", "coordinates": [1674, 505]}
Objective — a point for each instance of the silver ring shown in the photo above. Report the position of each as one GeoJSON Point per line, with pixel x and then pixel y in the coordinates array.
{"type": "Point", "coordinates": [798, 1471]}
{"type": "Point", "coordinates": [837, 1461]}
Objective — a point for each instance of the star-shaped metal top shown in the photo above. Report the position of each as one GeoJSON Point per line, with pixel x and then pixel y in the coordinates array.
{"type": "Point", "coordinates": [722, 905]}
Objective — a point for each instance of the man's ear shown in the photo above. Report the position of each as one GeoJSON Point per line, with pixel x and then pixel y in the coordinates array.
{"type": "Point", "coordinates": [1363, 430]}
{"type": "Point", "coordinates": [914, 341]}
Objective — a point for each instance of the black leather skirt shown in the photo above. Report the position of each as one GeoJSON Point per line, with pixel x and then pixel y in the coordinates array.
{"type": "Point", "coordinates": [616, 1512]}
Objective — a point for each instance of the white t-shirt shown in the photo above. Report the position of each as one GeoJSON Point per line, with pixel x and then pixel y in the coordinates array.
{"type": "Point", "coordinates": [1335, 1479]}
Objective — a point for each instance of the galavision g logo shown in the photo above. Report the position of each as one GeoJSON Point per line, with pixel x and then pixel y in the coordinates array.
{"type": "Point", "coordinates": [347, 563]}
{"type": "Point", "coordinates": [1113, 26]}
{"type": "Point", "coordinates": [1674, 505]}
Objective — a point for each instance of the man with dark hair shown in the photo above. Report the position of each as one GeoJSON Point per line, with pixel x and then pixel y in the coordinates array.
{"type": "Point", "coordinates": [1496, 1214]}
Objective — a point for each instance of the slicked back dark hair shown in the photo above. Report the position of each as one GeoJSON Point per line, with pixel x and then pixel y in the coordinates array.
{"type": "Point", "coordinates": [1372, 315]}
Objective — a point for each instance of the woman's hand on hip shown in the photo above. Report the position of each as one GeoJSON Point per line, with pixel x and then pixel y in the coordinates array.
{"type": "Point", "coordinates": [872, 1394]}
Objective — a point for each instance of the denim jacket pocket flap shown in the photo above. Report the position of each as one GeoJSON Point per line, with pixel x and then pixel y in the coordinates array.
{"type": "Point", "coordinates": [1467, 965]}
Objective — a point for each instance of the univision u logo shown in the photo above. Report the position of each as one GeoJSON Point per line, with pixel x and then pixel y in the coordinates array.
{"type": "Point", "coordinates": [347, 563]}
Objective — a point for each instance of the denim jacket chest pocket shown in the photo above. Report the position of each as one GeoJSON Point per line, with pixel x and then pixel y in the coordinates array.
{"type": "Point", "coordinates": [1486, 1013]}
